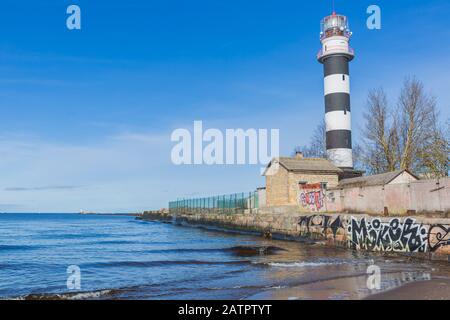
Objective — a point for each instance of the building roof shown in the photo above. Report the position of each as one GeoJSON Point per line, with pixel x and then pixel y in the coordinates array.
{"type": "Point", "coordinates": [309, 165]}
{"type": "Point", "coordinates": [374, 180]}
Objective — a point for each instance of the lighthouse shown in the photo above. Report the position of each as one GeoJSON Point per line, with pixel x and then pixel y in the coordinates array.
{"type": "Point", "coordinates": [335, 56]}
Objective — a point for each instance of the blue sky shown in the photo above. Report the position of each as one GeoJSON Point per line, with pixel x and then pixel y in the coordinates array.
{"type": "Point", "coordinates": [87, 114]}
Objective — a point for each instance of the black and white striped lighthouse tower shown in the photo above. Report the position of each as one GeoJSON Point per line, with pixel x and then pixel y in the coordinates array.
{"type": "Point", "coordinates": [335, 56]}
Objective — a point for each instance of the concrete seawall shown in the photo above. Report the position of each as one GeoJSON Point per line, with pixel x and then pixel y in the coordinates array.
{"type": "Point", "coordinates": [418, 236]}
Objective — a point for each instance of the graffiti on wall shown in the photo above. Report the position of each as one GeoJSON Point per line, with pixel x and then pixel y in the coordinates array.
{"type": "Point", "coordinates": [312, 196]}
{"type": "Point", "coordinates": [438, 236]}
{"type": "Point", "coordinates": [320, 224]}
{"type": "Point", "coordinates": [373, 234]}
{"type": "Point", "coordinates": [394, 235]}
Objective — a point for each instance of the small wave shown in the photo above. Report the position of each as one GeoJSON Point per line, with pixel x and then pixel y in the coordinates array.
{"type": "Point", "coordinates": [239, 287]}
{"type": "Point", "coordinates": [63, 236]}
{"type": "Point", "coordinates": [6, 247]}
{"type": "Point", "coordinates": [146, 264]}
{"type": "Point", "coordinates": [31, 266]}
{"type": "Point", "coordinates": [302, 264]}
{"type": "Point", "coordinates": [96, 294]}
{"type": "Point", "coordinates": [183, 250]}
{"type": "Point", "coordinates": [111, 242]}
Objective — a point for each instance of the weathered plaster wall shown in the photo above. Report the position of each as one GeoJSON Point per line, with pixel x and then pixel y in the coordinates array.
{"type": "Point", "coordinates": [262, 200]}
{"type": "Point", "coordinates": [277, 188]}
{"type": "Point", "coordinates": [404, 177]}
{"type": "Point", "coordinates": [401, 197]}
{"type": "Point", "coordinates": [428, 195]}
{"type": "Point", "coordinates": [423, 196]}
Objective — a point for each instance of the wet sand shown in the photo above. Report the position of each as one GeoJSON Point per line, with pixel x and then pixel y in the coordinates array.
{"type": "Point", "coordinates": [342, 289]}
{"type": "Point", "coordinates": [402, 278]}
{"type": "Point", "coordinates": [435, 289]}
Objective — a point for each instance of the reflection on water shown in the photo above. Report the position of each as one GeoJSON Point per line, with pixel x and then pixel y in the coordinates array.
{"type": "Point", "coordinates": [122, 258]}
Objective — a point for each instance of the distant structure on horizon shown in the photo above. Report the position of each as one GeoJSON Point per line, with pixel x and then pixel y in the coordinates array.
{"type": "Point", "coordinates": [335, 56]}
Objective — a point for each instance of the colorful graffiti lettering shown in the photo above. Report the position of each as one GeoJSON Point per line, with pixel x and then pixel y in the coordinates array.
{"type": "Point", "coordinates": [312, 196]}
{"type": "Point", "coordinates": [397, 236]}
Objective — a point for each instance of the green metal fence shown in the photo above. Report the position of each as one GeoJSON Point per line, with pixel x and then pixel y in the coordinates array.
{"type": "Point", "coordinates": [226, 204]}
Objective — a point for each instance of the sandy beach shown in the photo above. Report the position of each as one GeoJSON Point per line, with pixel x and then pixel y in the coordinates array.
{"type": "Point", "coordinates": [342, 289]}
{"type": "Point", "coordinates": [435, 289]}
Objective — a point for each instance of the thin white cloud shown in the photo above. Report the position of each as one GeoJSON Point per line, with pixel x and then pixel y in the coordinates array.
{"type": "Point", "coordinates": [42, 188]}
{"type": "Point", "coordinates": [115, 169]}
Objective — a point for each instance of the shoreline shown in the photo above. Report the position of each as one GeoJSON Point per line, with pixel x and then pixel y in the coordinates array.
{"type": "Point", "coordinates": [413, 290]}
{"type": "Point", "coordinates": [256, 224]}
{"type": "Point", "coordinates": [415, 236]}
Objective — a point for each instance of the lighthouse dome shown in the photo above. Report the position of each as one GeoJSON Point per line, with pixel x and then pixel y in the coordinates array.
{"type": "Point", "coordinates": [334, 25]}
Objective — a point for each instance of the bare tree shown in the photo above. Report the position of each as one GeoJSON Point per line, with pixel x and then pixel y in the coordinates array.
{"type": "Point", "coordinates": [434, 159]}
{"type": "Point", "coordinates": [358, 157]}
{"type": "Point", "coordinates": [380, 138]}
{"type": "Point", "coordinates": [317, 145]}
{"type": "Point", "coordinates": [407, 137]}
{"type": "Point", "coordinates": [417, 122]}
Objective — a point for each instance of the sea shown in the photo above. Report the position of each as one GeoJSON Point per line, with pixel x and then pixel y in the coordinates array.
{"type": "Point", "coordinates": [74, 256]}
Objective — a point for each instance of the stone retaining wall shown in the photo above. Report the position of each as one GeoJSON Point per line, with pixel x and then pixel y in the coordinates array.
{"type": "Point", "coordinates": [416, 236]}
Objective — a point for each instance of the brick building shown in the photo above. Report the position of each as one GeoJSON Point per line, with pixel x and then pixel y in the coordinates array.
{"type": "Point", "coordinates": [285, 176]}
